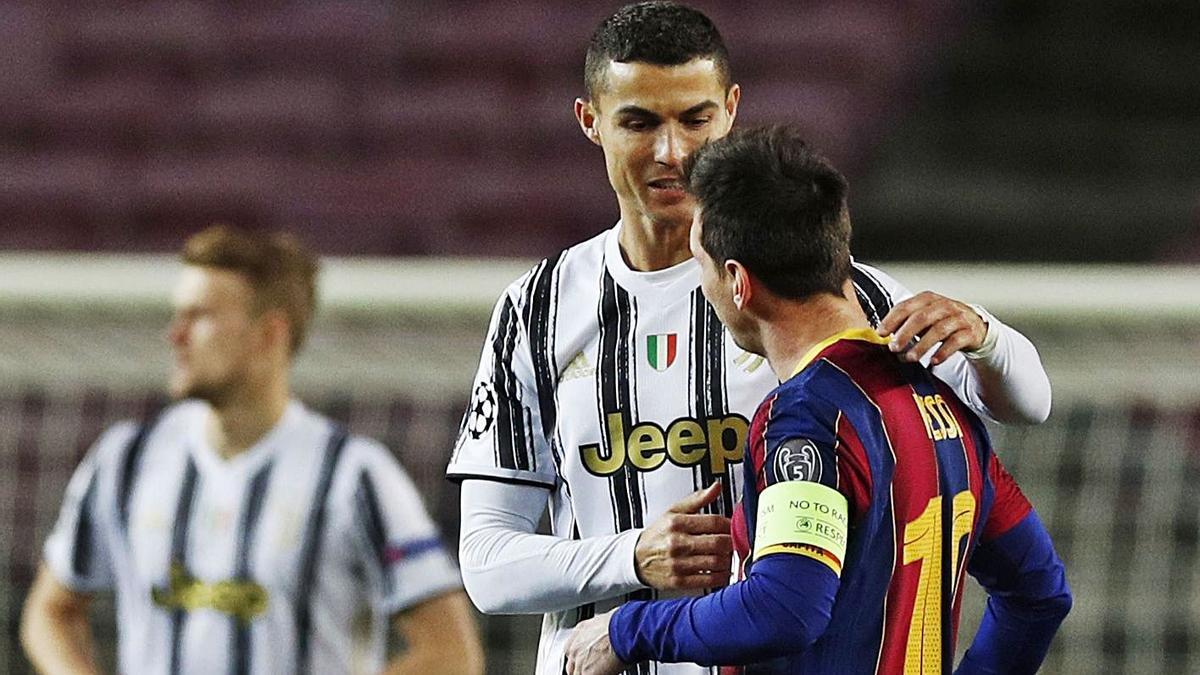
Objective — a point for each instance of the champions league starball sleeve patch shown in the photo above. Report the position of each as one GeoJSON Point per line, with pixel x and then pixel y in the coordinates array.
{"type": "Point", "coordinates": [482, 413]}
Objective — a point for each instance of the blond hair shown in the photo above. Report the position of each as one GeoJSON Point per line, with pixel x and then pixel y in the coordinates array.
{"type": "Point", "coordinates": [280, 270]}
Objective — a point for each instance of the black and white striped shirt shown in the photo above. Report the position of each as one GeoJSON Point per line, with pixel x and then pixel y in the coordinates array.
{"type": "Point", "coordinates": [620, 392]}
{"type": "Point", "coordinates": [257, 564]}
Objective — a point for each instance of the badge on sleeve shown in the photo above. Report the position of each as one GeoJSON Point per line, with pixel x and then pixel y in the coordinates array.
{"type": "Point", "coordinates": [483, 411]}
{"type": "Point", "coordinates": [798, 459]}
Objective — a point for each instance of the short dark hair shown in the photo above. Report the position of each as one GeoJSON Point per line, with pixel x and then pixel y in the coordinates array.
{"type": "Point", "coordinates": [659, 32]}
{"type": "Point", "coordinates": [773, 204]}
{"type": "Point", "coordinates": [281, 271]}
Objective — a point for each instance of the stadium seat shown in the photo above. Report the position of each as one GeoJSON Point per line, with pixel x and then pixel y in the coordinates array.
{"type": "Point", "coordinates": [168, 39]}
{"type": "Point", "coordinates": [439, 123]}
{"type": "Point", "coordinates": [117, 114]}
{"type": "Point", "coordinates": [335, 38]}
{"type": "Point", "coordinates": [272, 114]}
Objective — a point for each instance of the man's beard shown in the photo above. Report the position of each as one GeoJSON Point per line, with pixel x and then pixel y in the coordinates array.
{"type": "Point", "coordinates": [682, 219]}
{"type": "Point", "coordinates": [747, 344]}
{"type": "Point", "coordinates": [746, 340]}
{"type": "Point", "coordinates": [213, 393]}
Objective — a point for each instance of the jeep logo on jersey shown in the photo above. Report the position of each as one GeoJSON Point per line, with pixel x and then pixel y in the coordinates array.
{"type": "Point", "coordinates": [798, 459]}
{"type": "Point", "coordinates": [685, 442]}
{"type": "Point", "coordinates": [660, 350]}
{"type": "Point", "coordinates": [243, 600]}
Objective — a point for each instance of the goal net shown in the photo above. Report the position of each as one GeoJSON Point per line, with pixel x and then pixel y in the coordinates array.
{"type": "Point", "coordinates": [1113, 473]}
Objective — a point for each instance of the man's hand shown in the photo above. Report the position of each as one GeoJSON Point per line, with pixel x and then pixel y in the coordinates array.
{"type": "Point", "coordinates": [684, 548]}
{"type": "Point", "coordinates": [932, 318]}
{"type": "Point", "coordinates": [589, 651]}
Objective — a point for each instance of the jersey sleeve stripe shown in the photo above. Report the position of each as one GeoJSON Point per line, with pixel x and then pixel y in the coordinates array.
{"type": "Point", "coordinates": [511, 442]}
{"type": "Point", "coordinates": [370, 517]}
{"type": "Point", "coordinates": [539, 321]}
{"type": "Point", "coordinates": [311, 548]}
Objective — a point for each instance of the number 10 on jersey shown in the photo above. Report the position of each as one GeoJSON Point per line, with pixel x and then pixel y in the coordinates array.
{"type": "Point", "coordinates": [923, 544]}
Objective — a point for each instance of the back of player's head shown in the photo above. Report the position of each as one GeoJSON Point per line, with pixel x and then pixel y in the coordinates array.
{"type": "Point", "coordinates": [281, 271]}
{"type": "Point", "coordinates": [768, 201]}
{"type": "Point", "coordinates": [658, 32]}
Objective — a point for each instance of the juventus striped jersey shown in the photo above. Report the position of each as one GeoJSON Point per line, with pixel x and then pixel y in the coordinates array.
{"type": "Point", "coordinates": [619, 392]}
{"type": "Point", "coordinates": [262, 563]}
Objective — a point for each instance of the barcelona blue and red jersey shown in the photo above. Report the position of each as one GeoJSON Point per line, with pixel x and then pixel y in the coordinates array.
{"type": "Point", "coordinates": [871, 491]}
{"type": "Point", "coordinates": [923, 486]}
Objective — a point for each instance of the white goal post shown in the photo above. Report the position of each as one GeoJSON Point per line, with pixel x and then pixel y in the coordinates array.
{"type": "Point", "coordinates": [386, 324]}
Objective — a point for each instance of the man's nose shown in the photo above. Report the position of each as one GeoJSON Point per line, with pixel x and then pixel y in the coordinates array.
{"type": "Point", "coordinates": [669, 146]}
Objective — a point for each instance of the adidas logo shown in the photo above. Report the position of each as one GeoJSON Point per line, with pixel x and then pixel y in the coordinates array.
{"type": "Point", "coordinates": [577, 368]}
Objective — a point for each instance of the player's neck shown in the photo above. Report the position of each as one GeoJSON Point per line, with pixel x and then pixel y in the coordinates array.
{"type": "Point", "coordinates": [650, 246]}
{"type": "Point", "coordinates": [237, 424]}
{"type": "Point", "coordinates": [797, 327]}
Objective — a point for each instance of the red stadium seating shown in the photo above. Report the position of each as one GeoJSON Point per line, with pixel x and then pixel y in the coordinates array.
{"type": "Point", "coordinates": [372, 127]}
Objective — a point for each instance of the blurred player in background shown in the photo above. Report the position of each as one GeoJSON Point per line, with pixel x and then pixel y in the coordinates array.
{"type": "Point", "coordinates": [870, 487]}
{"type": "Point", "coordinates": [241, 531]}
{"type": "Point", "coordinates": [608, 387]}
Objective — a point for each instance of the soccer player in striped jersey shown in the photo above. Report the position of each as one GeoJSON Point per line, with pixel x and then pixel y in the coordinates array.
{"type": "Point", "coordinates": [608, 389]}
{"type": "Point", "coordinates": [870, 488]}
{"type": "Point", "coordinates": [242, 532]}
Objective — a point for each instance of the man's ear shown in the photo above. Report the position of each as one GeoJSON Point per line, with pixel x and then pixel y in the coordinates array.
{"type": "Point", "coordinates": [731, 102]}
{"type": "Point", "coordinates": [276, 329]}
{"type": "Point", "coordinates": [743, 285]}
{"type": "Point", "coordinates": [585, 114]}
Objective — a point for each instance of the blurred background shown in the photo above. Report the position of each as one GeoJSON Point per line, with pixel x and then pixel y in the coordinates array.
{"type": "Point", "coordinates": [1042, 158]}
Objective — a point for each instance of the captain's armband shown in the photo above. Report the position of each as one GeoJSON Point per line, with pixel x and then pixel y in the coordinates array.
{"type": "Point", "coordinates": [803, 518]}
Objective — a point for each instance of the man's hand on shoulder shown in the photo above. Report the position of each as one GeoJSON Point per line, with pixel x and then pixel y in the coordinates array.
{"type": "Point", "coordinates": [684, 548]}
{"type": "Point", "coordinates": [933, 319]}
{"type": "Point", "coordinates": [589, 651]}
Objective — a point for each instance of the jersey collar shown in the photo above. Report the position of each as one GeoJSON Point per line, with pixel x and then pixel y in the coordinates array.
{"type": "Point", "coordinates": [863, 334]}
{"type": "Point", "coordinates": [254, 456]}
{"type": "Point", "coordinates": [679, 279]}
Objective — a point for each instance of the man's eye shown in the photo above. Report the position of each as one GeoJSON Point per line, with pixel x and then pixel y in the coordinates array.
{"type": "Point", "coordinates": [637, 125]}
{"type": "Point", "coordinates": [698, 122]}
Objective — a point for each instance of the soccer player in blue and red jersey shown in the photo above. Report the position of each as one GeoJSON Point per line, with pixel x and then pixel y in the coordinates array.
{"type": "Point", "coordinates": [871, 490]}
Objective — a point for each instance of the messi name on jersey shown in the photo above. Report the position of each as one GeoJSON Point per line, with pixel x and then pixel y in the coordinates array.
{"type": "Point", "coordinates": [684, 442]}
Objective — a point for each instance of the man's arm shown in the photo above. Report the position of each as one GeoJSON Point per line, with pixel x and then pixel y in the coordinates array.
{"type": "Point", "coordinates": [1026, 582]}
{"type": "Point", "coordinates": [76, 562]}
{"type": "Point", "coordinates": [781, 608]}
{"type": "Point", "coordinates": [1028, 598]}
{"type": "Point", "coordinates": [55, 632]}
{"type": "Point", "coordinates": [509, 569]}
{"type": "Point", "coordinates": [441, 638]}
